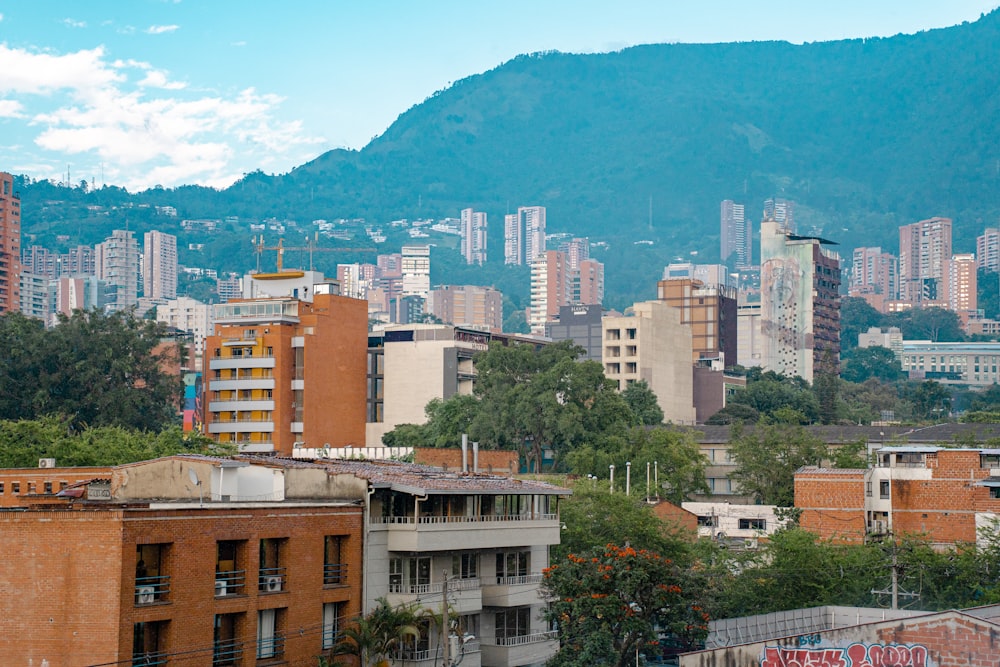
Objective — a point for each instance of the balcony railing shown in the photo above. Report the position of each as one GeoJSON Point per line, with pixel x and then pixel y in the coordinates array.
{"type": "Point", "coordinates": [227, 652]}
{"type": "Point", "coordinates": [271, 579]}
{"type": "Point", "coordinates": [149, 590]}
{"type": "Point", "coordinates": [230, 583]}
{"type": "Point", "coordinates": [414, 655]}
{"type": "Point", "coordinates": [423, 589]}
{"type": "Point", "coordinates": [271, 648]}
{"type": "Point", "coordinates": [521, 640]}
{"type": "Point", "coordinates": [334, 574]}
{"type": "Point", "coordinates": [435, 519]}
{"type": "Point", "coordinates": [519, 581]}
{"type": "Point", "coordinates": [148, 659]}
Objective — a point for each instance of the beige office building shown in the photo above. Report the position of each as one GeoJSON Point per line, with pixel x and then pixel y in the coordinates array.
{"type": "Point", "coordinates": [467, 306]}
{"type": "Point", "coordinates": [652, 344]}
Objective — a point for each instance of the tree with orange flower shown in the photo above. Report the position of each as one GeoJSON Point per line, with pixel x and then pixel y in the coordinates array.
{"type": "Point", "coordinates": [610, 604]}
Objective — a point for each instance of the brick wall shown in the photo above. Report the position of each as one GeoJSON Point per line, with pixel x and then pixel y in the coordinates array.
{"type": "Point", "coordinates": [497, 462]}
{"type": "Point", "coordinates": [832, 503]}
{"type": "Point", "coordinates": [678, 516]}
{"type": "Point", "coordinates": [32, 481]}
{"type": "Point", "coordinates": [71, 575]}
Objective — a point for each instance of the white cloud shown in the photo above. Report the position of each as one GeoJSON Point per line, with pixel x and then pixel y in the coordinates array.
{"type": "Point", "coordinates": [143, 127]}
{"type": "Point", "coordinates": [1, 17]}
{"type": "Point", "coordinates": [11, 109]}
{"type": "Point", "coordinates": [73, 23]}
{"type": "Point", "coordinates": [160, 29]}
{"type": "Point", "coordinates": [239, 43]}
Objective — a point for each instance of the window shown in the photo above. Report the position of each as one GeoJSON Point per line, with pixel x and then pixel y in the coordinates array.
{"type": "Point", "coordinates": [151, 584]}
{"type": "Point", "coordinates": [883, 489]}
{"type": "Point", "coordinates": [395, 575]}
{"type": "Point", "coordinates": [418, 648]}
{"type": "Point", "coordinates": [48, 487]}
{"type": "Point", "coordinates": [1, 487]}
{"type": "Point", "coordinates": [868, 488]}
{"type": "Point", "coordinates": [710, 521]}
{"type": "Point", "coordinates": [271, 577]}
{"type": "Point", "coordinates": [147, 644]}
{"type": "Point", "coordinates": [226, 650]}
{"type": "Point", "coordinates": [995, 492]}
{"type": "Point", "coordinates": [753, 524]}
{"type": "Point", "coordinates": [334, 568]}
{"type": "Point", "coordinates": [229, 576]}
{"type": "Point", "coordinates": [465, 566]}
{"type": "Point", "coordinates": [512, 623]}
{"type": "Point", "coordinates": [510, 565]}
{"type": "Point", "coordinates": [332, 612]}
{"type": "Point", "coordinates": [270, 639]}
{"type": "Point", "coordinates": [989, 461]}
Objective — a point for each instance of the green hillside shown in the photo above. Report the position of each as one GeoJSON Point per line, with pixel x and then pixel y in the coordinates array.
{"type": "Point", "coordinates": [863, 135]}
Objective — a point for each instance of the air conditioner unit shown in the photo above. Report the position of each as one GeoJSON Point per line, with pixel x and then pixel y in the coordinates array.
{"type": "Point", "coordinates": [272, 583]}
{"type": "Point", "coordinates": [220, 587]}
{"type": "Point", "coordinates": [46, 463]}
{"type": "Point", "coordinates": [145, 594]}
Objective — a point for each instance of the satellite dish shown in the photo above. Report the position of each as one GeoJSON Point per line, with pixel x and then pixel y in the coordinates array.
{"type": "Point", "coordinates": [194, 477]}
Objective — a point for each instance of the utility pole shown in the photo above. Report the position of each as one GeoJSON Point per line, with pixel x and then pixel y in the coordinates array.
{"type": "Point", "coordinates": [893, 591]}
{"type": "Point", "coordinates": [445, 634]}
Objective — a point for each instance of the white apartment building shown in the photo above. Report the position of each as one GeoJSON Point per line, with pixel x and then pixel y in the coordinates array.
{"type": "Point", "coordinates": [416, 266]}
{"type": "Point", "coordinates": [473, 226]}
{"type": "Point", "coordinates": [524, 235]}
{"type": "Point", "coordinates": [159, 266]}
{"type": "Point", "coordinates": [191, 315]}
{"type": "Point", "coordinates": [482, 540]}
{"type": "Point", "coordinates": [116, 261]}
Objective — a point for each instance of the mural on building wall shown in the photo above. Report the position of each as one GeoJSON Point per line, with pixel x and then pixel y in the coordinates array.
{"type": "Point", "coordinates": [855, 655]}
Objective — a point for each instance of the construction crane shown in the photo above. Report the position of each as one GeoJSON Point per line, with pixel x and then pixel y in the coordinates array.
{"type": "Point", "coordinates": [259, 248]}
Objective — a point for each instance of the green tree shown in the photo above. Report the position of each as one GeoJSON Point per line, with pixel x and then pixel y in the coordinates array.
{"type": "Point", "coordinates": [642, 402]}
{"type": "Point", "coordinates": [23, 442]}
{"type": "Point", "coordinates": [767, 457]}
{"type": "Point", "coordinates": [673, 456]}
{"type": "Point", "coordinates": [100, 370]}
{"type": "Point", "coordinates": [594, 517]}
{"type": "Point", "coordinates": [931, 400]}
{"type": "Point", "coordinates": [769, 392]}
{"type": "Point", "coordinates": [856, 317]}
{"type": "Point", "coordinates": [612, 602]}
{"type": "Point", "coordinates": [877, 362]}
{"type": "Point", "coordinates": [378, 635]}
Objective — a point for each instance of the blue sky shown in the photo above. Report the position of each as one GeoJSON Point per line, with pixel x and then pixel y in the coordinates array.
{"type": "Point", "coordinates": [145, 92]}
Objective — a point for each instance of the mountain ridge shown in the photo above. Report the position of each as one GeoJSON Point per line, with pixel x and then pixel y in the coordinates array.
{"type": "Point", "coordinates": [643, 143]}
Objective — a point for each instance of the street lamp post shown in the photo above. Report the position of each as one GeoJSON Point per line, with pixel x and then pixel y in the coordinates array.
{"type": "Point", "coordinates": [612, 466]}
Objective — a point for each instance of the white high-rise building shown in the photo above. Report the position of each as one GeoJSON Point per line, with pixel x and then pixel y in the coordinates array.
{"type": "Point", "coordinates": [524, 235]}
{"type": "Point", "coordinates": [782, 212]}
{"type": "Point", "coordinates": [735, 234]}
{"type": "Point", "coordinates": [473, 236]}
{"type": "Point", "coordinates": [159, 266]}
{"type": "Point", "coordinates": [988, 250]}
{"type": "Point", "coordinates": [117, 262]}
{"type": "Point", "coordinates": [416, 265]}
{"type": "Point", "coordinates": [190, 315]}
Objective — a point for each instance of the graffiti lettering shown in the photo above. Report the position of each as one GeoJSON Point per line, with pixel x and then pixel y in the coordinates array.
{"type": "Point", "coordinates": [855, 655]}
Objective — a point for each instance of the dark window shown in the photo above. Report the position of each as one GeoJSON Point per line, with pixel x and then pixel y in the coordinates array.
{"type": "Point", "coordinates": [511, 564]}
{"type": "Point", "coordinates": [465, 566]}
{"type": "Point", "coordinates": [883, 489]}
{"type": "Point", "coordinates": [707, 521]}
{"type": "Point", "coordinates": [512, 623]}
{"type": "Point", "coordinates": [753, 524]}
{"type": "Point", "coordinates": [995, 492]}
{"type": "Point", "coordinates": [227, 650]}
{"type": "Point", "coordinates": [334, 567]}
{"type": "Point", "coordinates": [230, 576]}
{"type": "Point", "coordinates": [148, 644]}
{"type": "Point", "coordinates": [271, 577]}
{"type": "Point", "coordinates": [152, 584]}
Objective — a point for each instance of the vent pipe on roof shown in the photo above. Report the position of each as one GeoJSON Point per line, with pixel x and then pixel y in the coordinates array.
{"type": "Point", "coordinates": [465, 452]}
{"type": "Point", "coordinates": [475, 457]}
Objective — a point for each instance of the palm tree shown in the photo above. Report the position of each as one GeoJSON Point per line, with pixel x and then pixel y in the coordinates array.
{"type": "Point", "coordinates": [378, 635]}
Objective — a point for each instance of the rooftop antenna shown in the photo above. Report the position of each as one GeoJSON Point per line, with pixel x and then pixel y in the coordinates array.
{"type": "Point", "coordinates": [197, 482]}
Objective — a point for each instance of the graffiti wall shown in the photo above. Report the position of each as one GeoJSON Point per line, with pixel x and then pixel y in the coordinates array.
{"type": "Point", "coordinates": [855, 655]}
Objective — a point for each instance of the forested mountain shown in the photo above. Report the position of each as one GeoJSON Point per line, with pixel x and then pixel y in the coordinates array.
{"type": "Point", "coordinates": [644, 143]}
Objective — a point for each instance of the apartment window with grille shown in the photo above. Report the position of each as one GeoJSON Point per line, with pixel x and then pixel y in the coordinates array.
{"type": "Point", "coordinates": [883, 489]}
{"type": "Point", "coordinates": [334, 567]}
{"type": "Point", "coordinates": [332, 613]}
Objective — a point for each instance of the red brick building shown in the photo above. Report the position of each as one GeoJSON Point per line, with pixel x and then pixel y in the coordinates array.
{"type": "Point", "coordinates": [184, 561]}
{"type": "Point", "coordinates": [946, 493]}
{"type": "Point", "coordinates": [287, 372]}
